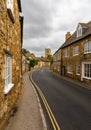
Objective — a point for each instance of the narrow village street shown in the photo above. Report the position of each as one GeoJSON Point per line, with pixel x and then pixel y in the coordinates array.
{"type": "Point", "coordinates": [45, 65]}
{"type": "Point", "coordinates": [28, 115]}
{"type": "Point", "coordinates": [56, 89]}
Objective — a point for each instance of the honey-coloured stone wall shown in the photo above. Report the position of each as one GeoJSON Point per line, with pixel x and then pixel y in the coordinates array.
{"type": "Point", "coordinates": [10, 41]}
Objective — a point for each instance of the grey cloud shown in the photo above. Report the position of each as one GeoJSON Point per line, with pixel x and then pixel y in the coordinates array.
{"type": "Point", "coordinates": [37, 31]}
{"type": "Point", "coordinates": [39, 16]}
{"type": "Point", "coordinates": [47, 21]}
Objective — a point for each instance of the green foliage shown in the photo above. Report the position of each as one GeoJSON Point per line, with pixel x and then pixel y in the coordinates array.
{"type": "Point", "coordinates": [49, 57]}
{"type": "Point", "coordinates": [24, 51]}
{"type": "Point", "coordinates": [32, 62]}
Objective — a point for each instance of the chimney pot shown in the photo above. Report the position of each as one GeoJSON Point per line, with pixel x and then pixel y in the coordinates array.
{"type": "Point", "coordinates": [68, 35]}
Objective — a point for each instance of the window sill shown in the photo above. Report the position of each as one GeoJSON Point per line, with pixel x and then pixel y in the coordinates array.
{"type": "Point", "coordinates": [8, 88]}
{"type": "Point", "coordinates": [69, 72]}
{"type": "Point", "coordinates": [86, 78]}
{"type": "Point", "coordinates": [66, 56]}
{"type": "Point", "coordinates": [87, 52]}
{"type": "Point", "coordinates": [77, 74]}
{"type": "Point", "coordinates": [75, 54]}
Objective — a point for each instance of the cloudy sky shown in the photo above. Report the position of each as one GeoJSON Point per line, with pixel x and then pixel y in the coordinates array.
{"type": "Point", "coordinates": [47, 21]}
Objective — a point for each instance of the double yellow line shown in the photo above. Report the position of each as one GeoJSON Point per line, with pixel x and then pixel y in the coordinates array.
{"type": "Point", "coordinates": [50, 114]}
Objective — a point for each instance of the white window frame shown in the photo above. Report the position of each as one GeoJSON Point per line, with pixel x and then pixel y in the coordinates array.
{"type": "Point", "coordinates": [85, 71]}
{"type": "Point", "coordinates": [69, 69]}
{"type": "Point", "coordinates": [79, 31]}
{"type": "Point", "coordinates": [87, 47]}
{"type": "Point", "coordinates": [75, 50]}
{"type": "Point", "coordinates": [8, 74]}
{"type": "Point", "coordinates": [67, 52]}
{"type": "Point", "coordinates": [78, 69]}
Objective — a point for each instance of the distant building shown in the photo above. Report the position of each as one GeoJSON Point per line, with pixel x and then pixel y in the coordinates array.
{"type": "Point", "coordinates": [47, 52]}
{"type": "Point", "coordinates": [56, 65]}
{"type": "Point", "coordinates": [42, 62]}
{"type": "Point", "coordinates": [25, 63]}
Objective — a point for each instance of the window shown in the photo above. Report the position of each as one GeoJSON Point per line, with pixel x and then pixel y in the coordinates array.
{"type": "Point", "coordinates": [87, 47]}
{"type": "Point", "coordinates": [86, 70]}
{"type": "Point", "coordinates": [58, 68]}
{"type": "Point", "coordinates": [54, 58]}
{"type": "Point", "coordinates": [8, 74]}
{"type": "Point", "coordinates": [78, 69]}
{"type": "Point", "coordinates": [67, 52]}
{"type": "Point", "coordinates": [75, 51]}
{"type": "Point", "coordinates": [79, 32]}
{"type": "Point", "coordinates": [58, 57]}
{"type": "Point", "coordinates": [69, 69]}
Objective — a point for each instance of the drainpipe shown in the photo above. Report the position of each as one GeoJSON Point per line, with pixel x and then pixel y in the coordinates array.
{"type": "Point", "coordinates": [82, 72]}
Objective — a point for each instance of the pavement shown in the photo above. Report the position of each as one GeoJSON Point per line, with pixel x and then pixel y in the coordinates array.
{"type": "Point", "coordinates": [29, 114]}
{"type": "Point", "coordinates": [77, 82]}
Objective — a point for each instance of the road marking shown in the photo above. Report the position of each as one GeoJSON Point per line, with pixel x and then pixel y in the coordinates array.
{"type": "Point", "coordinates": [48, 109]}
{"type": "Point", "coordinates": [42, 70]}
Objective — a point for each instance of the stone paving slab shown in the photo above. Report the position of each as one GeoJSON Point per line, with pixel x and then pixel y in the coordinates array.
{"type": "Point", "coordinates": [28, 115]}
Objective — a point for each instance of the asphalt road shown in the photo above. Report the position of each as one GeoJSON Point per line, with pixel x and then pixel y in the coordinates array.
{"type": "Point", "coordinates": [70, 103]}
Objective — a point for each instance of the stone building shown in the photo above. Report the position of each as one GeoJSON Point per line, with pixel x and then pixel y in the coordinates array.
{"type": "Point", "coordinates": [11, 25]}
{"type": "Point", "coordinates": [47, 52]}
{"type": "Point", "coordinates": [42, 62]}
{"type": "Point", "coordinates": [56, 66]}
{"type": "Point", "coordinates": [25, 63]}
{"type": "Point", "coordinates": [75, 59]}
{"type": "Point", "coordinates": [76, 54]}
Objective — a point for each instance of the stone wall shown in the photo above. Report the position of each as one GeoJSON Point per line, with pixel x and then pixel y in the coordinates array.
{"type": "Point", "coordinates": [10, 40]}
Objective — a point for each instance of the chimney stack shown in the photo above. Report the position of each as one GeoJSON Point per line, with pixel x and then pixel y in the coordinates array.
{"type": "Point", "coordinates": [68, 35]}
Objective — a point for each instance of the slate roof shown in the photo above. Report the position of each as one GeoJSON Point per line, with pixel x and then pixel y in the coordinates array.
{"type": "Point", "coordinates": [57, 51]}
{"type": "Point", "coordinates": [74, 37]}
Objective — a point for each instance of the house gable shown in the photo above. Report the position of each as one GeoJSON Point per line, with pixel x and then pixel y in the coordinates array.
{"type": "Point", "coordinates": [85, 31]}
{"type": "Point", "coordinates": [79, 30]}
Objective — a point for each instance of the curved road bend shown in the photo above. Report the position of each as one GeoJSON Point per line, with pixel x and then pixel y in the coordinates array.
{"type": "Point", "coordinates": [70, 104]}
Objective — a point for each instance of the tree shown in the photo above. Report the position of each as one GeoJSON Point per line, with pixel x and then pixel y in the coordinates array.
{"type": "Point", "coordinates": [32, 63]}
{"type": "Point", "coordinates": [50, 58]}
